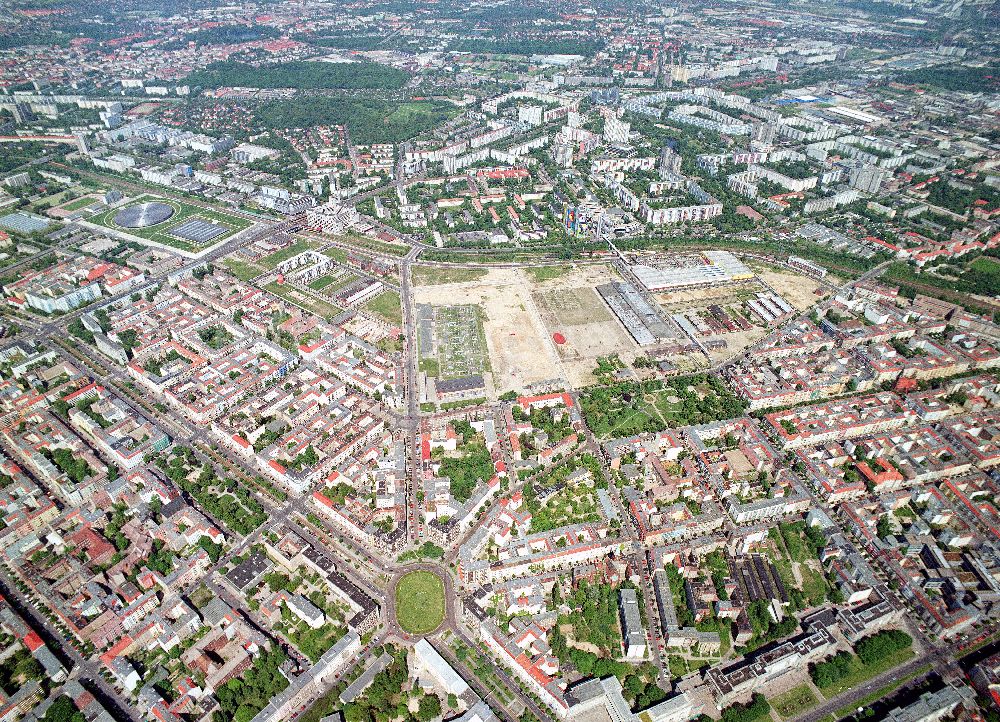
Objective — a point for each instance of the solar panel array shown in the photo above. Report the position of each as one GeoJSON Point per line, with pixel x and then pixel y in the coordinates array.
{"type": "Point", "coordinates": [199, 231]}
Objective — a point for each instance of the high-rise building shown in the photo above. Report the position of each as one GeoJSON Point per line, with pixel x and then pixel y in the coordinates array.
{"type": "Point", "coordinates": [764, 133]}
{"type": "Point", "coordinates": [82, 144]}
{"type": "Point", "coordinates": [868, 178]}
{"type": "Point", "coordinates": [23, 113]}
{"type": "Point", "coordinates": [670, 162]}
{"type": "Point", "coordinates": [616, 131]}
{"type": "Point", "coordinates": [531, 115]}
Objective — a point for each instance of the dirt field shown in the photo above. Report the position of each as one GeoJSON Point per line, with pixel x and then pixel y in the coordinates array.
{"type": "Point", "coordinates": [735, 342]}
{"type": "Point", "coordinates": [800, 291]}
{"type": "Point", "coordinates": [522, 314]}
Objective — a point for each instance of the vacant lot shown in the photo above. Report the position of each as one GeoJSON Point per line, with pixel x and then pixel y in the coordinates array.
{"type": "Point", "coordinates": [243, 270]}
{"type": "Point", "coordinates": [519, 350]}
{"type": "Point", "coordinates": [546, 273]}
{"type": "Point", "coordinates": [572, 306]}
{"type": "Point", "coordinates": [387, 306]}
{"type": "Point", "coordinates": [523, 314]}
{"type": "Point", "coordinates": [799, 291]}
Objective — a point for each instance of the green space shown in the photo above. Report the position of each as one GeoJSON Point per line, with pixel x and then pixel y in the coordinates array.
{"type": "Point", "coordinates": [74, 468]}
{"type": "Point", "coordinates": [224, 499]}
{"type": "Point", "coordinates": [438, 276]}
{"type": "Point", "coordinates": [981, 276]}
{"type": "Point", "coordinates": [634, 407]}
{"type": "Point", "coordinates": [593, 622]}
{"type": "Point", "coordinates": [876, 654]}
{"type": "Point", "coordinates": [331, 283]}
{"type": "Point", "coordinates": [301, 75]}
{"type": "Point", "coordinates": [243, 270]}
{"type": "Point", "coordinates": [370, 120]}
{"type": "Point", "coordinates": [471, 464]}
{"type": "Point", "coordinates": [427, 550]}
{"type": "Point", "coordinates": [795, 701]}
{"type": "Point", "coordinates": [420, 605]}
{"type": "Point", "coordinates": [161, 232]}
{"type": "Point", "coordinates": [799, 544]}
{"type": "Point", "coordinates": [884, 691]}
{"type": "Point", "coordinates": [337, 254]}
{"type": "Point", "coordinates": [322, 282]}
{"type": "Point", "coordinates": [546, 273]}
{"type": "Point", "coordinates": [375, 245]}
{"type": "Point", "coordinates": [484, 670]}
{"type": "Point", "coordinates": [313, 643]}
{"type": "Point", "coordinates": [215, 337]}
{"type": "Point", "coordinates": [527, 46]}
{"type": "Point", "coordinates": [285, 253]}
{"type": "Point", "coordinates": [241, 698]}
{"type": "Point", "coordinates": [223, 35]}
{"type": "Point", "coordinates": [63, 709]}
{"type": "Point", "coordinates": [310, 303]}
{"type": "Point", "coordinates": [757, 708]}
{"type": "Point", "coordinates": [955, 77]}
{"type": "Point", "coordinates": [556, 428]}
{"type": "Point", "coordinates": [565, 502]}
{"type": "Point", "coordinates": [19, 668]}
{"type": "Point", "coordinates": [79, 203]}
{"type": "Point", "coordinates": [387, 305]}
{"type": "Point", "coordinates": [388, 696]}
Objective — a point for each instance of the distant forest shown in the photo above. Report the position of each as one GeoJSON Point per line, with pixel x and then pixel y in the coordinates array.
{"type": "Point", "coordinates": [301, 75]}
{"type": "Point", "coordinates": [515, 46]}
{"type": "Point", "coordinates": [956, 77]}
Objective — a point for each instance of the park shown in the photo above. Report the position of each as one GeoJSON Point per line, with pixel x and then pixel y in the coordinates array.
{"type": "Point", "coordinates": [420, 604]}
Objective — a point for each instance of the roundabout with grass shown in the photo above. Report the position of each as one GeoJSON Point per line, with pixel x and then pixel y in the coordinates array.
{"type": "Point", "coordinates": [420, 602]}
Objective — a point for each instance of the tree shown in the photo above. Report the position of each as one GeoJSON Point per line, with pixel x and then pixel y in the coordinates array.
{"type": "Point", "coordinates": [430, 707]}
{"type": "Point", "coordinates": [63, 710]}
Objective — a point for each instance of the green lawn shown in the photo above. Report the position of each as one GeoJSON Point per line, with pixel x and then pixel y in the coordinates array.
{"type": "Point", "coordinates": [420, 604]}
{"type": "Point", "coordinates": [861, 673]}
{"type": "Point", "coordinates": [320, 283]}
{"type": "Point", "coordinates": [545, 273]}
{"type": "Point", "coordinates": [243, 270]}
{"type": "Point", "coordinates": [79, 203]}
{"type": "Point", "coordinates": [438, 276]}
{"type": "Point", "coordinates": [795, 701]}
{"type": "Point", "coordinates": [849, 709]}
{"type": "Point", "coordinates": [332, 282]}
{"type": "Point", "coordinates": [387, 305]}
{"type": "Point", "coordinates": [285, 253]}
{"type": "Point", "coordinates": [337, 254]}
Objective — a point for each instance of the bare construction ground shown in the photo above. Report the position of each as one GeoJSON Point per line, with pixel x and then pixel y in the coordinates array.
{"type": "Point", "coordinates": [521, 315]}
{"type": "Point", "coordinates": [800, 291]}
